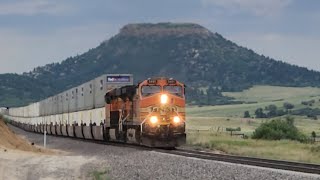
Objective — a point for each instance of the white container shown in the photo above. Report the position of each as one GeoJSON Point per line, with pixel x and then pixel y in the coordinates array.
{"type": "Point", "coordinates": [98, 115]}
{"type": "Point", "coordinates": [65, 119]}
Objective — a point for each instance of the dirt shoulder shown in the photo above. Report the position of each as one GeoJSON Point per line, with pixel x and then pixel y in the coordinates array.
{"type": "Point", "coordinates": [10, 141]}
{"type": "Point", "coordinates": [16, 164]}
{"type": "Point", "coordinates": [21, 160]}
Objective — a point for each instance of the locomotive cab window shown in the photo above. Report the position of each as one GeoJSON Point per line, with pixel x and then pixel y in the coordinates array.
{"type": "Point", "coordinates": [150, 90]}
{"type": "Point", "coordinates": [175, 90]}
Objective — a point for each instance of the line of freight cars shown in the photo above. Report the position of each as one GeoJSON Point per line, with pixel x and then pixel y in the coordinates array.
{"type": "Point", "coordinates": [83, 124]}
{"type": "Point", "coordinates": [84, 97]}
{"type": "Point", "coordinates": [81, 105]}
{"type": "Point", "coordinates": [3, 111]}
{"type": "Point", "coordinates": [77, 112]}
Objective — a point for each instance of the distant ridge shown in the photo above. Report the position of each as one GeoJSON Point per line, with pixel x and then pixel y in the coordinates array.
{"type": "Point", "coordinates": [163, 29]}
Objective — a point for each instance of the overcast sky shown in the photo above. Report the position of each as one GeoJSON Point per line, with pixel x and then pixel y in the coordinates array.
{"type": "Point", "coordinates": [37, 32]}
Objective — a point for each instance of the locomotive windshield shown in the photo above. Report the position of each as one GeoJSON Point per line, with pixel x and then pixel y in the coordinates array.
{"type": "Point", "coordinates": [149, 90]}
{"type": "Point", "coordinates": [175, 90]}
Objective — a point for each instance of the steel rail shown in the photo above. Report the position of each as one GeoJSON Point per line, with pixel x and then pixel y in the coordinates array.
{"type": "Point", "coordinates": [268, 163]}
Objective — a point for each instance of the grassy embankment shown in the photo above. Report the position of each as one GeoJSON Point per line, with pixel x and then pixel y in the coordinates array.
{"type": "Point", "coordinates": [211, 120]}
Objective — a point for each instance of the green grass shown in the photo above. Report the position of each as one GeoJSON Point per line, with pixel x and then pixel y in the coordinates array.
{"type": "Point", "coordinates": [223, 110]}
{"type": "Point", "coordinates": [282, 150]}
{"type": "Point", "coordinates": [274, 93]}
{"type": "Point", "coordinates": [219, 124]}
{"type": "Point", "coordinates": [263, 96]}
{"type": "Point", "coordinates": [247, 125]}
{"type": "Point", "coordinates": [211, 121]}
{"type": "Point", "coordinates": [100, 175]}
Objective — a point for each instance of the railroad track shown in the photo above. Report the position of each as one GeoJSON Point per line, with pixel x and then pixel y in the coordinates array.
{"type": "Point", "coordinates": [275, 164]}
{"type": "Point", "coordinates": [269, 163]}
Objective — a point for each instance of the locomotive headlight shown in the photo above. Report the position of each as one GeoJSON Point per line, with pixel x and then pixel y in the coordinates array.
{"type": "Point", "coordinates": [176, 119]}
{"type": "Point", "coordinates": [153, 119]}
{"type": "Point", "coordinates": [164, 99]}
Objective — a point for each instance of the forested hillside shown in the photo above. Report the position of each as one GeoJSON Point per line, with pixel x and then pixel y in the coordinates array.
{"type": "Point", "coordinates": [207, 62]}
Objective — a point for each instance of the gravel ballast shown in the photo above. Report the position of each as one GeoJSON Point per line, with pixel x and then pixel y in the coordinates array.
{"type": "Point", "coordinates": [118, 162]}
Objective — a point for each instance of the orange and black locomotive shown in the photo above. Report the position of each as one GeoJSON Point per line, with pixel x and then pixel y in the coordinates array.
{"type": "Point", "coordinates": [151, 113]}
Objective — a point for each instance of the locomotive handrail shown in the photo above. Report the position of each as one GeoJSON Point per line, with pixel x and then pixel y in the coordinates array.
{"type": "Point", "coordinates": [125, 118]}
{"type": "Point", "coordinates": [143, 123]}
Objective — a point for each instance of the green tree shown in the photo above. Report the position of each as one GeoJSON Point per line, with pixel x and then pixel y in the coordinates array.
{"type": "Point", "coordinates": [259, 113]}
{"type": "Point", "coordinates": [246, 114]}
{"type": "Point", "coordinates": [288, 106]}
{"type": "Point", "coordinates": [272, 110]}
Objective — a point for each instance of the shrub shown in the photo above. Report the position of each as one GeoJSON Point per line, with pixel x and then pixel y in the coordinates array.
{"type": "Point", "coordinates": [278, 129]}
{"type": "Point", "coordinates": [271, 111]}
{"type": "Point", "coordinates": [315, 149]}
{"type": "Point", "coordinates": [233, 129]}
{"type": "Point", "coordinates": [309, 112]}
{"type": "Point", "coordinates": [288, 106]}
{"type": "Point", "coordinates": [6, 120]}
{"type": "Point", "coordinates": [280, 112]}
{"type": "Point", "coordinates": [312, 116]}
{"type": "Point", "coordinates": [308, 103]}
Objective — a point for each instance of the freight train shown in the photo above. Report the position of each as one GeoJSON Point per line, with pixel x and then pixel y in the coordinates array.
{"type": "Point", "coordinates": [111, 108]}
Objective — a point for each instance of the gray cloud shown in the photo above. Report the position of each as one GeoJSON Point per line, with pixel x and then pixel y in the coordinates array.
{"type": "Point", "coordinates": [22, 52]}
{"type": "Point", "coordinates": [36, 34]}
{"type": "Point", "coordinates": [256, 7]}
{"type": "Point", "coordinates": [33, 7]}
{"type": "Point", "coordinates": [299, 50]}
